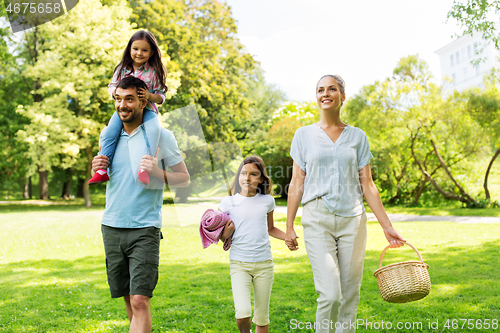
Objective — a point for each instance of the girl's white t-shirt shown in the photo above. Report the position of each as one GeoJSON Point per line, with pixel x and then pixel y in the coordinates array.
{"type": "Point", "coordinates": [250, 241]}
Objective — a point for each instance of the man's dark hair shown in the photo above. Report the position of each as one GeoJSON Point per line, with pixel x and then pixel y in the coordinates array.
{"type": "Point", "coordinates": [131, 82]}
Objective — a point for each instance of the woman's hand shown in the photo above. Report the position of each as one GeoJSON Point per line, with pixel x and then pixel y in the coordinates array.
{"type": "Point", "coordinates": [143, 93]}
{"type": "Point", "coordinates": [393, 237]}
{"type": "Point", "coordinates": [291, 240]}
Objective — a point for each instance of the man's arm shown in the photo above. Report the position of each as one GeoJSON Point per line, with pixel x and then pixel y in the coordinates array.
{"type": "Point", "coordinates": [178, 177]}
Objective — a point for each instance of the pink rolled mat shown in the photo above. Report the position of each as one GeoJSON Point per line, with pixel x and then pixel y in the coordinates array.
{"type": "Point", "coordinates": [211, 226]}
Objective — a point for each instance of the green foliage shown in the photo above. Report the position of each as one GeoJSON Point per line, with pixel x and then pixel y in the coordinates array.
{"type": "Point", "coordinates": [200, 38]}
{"type": "Point", "coordinates": [410, 124]}
{"type": "Point", "coordinates": [14, 90]}
{"type": "Point", "coordinates": [273, 142]}
{"type": "Point", "coordinates": [477, 16]}
{"type": "Point", "coordinates": [72, 69]}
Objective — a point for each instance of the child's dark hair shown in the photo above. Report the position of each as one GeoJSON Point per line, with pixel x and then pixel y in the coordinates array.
{"type": "Point", "coordinates": [131, 82]}
{"type": "Point", "coordinates": [264, 188]}
{"type": "Point", "coordinates": [154, 60]}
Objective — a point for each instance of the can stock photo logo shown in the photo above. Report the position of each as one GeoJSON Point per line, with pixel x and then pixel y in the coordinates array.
{"type": "Point", "coordinates": [26, 14]}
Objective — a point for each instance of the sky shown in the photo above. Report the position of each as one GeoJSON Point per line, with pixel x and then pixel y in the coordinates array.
{"type": "Point", "coordinates": [298, 41]}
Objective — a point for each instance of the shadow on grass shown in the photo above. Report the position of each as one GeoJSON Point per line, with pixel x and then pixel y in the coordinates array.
{"type": "Point", "coordinates": [72, 296]}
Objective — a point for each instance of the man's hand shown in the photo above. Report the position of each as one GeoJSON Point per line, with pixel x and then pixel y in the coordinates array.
{"type": "Point", "coordinates": [148, 163]}
{"type": "Point", "coordinates": [100, 162]}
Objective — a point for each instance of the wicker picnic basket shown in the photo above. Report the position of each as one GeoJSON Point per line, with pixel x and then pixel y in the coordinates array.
{"type": "Point", "coordinates": [405, 281]}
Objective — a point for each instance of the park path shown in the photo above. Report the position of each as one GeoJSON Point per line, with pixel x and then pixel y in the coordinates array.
{"type": "Point", "coordinates": [414, 218]}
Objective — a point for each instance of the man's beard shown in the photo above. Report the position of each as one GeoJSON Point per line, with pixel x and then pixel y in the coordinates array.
{"type": "Point", "coordinates": [129, 120]}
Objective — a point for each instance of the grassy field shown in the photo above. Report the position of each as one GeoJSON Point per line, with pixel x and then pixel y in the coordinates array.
{"type": "Point", "coordinates": [52, 277]}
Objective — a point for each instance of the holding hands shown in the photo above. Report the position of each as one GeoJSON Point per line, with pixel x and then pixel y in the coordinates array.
{"type": "Point", "coordinates": [291, 240]}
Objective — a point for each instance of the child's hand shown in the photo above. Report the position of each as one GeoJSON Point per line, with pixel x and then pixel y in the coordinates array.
{"type": "Point", "coordinates": [143, 93]}
{"type": "Point", "coordinates": [292, 244]}
{"type": "Point", "coordinates": [228, 231]}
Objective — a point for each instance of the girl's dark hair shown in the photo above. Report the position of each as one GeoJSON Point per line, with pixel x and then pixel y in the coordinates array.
{"type": "Point", "coordinates": [154, 60]}
{"type": "Point", "coordinates": [264, 188]}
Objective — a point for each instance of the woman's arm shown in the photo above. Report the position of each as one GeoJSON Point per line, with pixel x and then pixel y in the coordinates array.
{"type": "Point", "coordinates": [372, 197]}
{"type": "Point", "coordinates": [272, 230]}
{"type": "Point", "coordinates": [295, 191]}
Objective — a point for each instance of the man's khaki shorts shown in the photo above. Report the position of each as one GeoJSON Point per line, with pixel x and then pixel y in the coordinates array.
{"type": "Point", "coordinates": [132, 258]}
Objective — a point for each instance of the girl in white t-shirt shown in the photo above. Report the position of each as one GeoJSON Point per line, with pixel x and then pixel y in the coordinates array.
{"type": "Point", "coordinates": [251, 211]}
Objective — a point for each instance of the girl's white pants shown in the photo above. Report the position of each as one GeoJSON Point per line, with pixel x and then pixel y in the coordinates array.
{"type": "Point", "coordinates": [244, 275]}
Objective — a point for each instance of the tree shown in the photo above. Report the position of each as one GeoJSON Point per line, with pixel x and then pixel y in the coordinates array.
{"type": "Point", "coordinates": [217, 74]}
{"type": "Point", "coordinates": [273, 142]}
{"type": "Point", "coordinates": [418, 136]}
{"type": "Point", "coordinates": [73, 68]}
{"type": "Point", "coordinates": [477, 16]}
{"type": "Point", "coordinates": [484, 107]}
{"type": "Point", "coordinates": [14, 90]}
{"type": "Point", "coordinates": [200, 38]}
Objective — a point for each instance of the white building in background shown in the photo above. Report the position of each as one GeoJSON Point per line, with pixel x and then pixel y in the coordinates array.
{"type": "Point", "coordinates": [456, 60]}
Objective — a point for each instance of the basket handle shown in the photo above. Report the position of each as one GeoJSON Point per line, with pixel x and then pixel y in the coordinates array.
{"type": "Point", "coordinates": [388, 246]}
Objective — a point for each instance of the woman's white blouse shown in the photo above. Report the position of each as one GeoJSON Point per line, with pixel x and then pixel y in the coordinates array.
{"type": "Point", "coordinates": [332, 169]}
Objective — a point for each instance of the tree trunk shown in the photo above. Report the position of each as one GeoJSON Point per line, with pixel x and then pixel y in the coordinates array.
{"type": "Point", "coordinates": [79, 187]}
{"type": "Point", "coordinates": [66, 193]}
{"type": "Point", "coordinates": [26, 188]}
{"type": "Point", "coordinates": [465, 195]}
{"type": "Point", "coordinates": [43, 185]}
{"type": "Point", "coordinates": [88, 174]}
{"type": "Point", "coordinates": [30, 188]}
{"type": "Point", "coordinates": [485, 185]}
{"type": "Point", "coordinates": [420, 190]}
{"type": "Point", "coordinates": [182, 193]}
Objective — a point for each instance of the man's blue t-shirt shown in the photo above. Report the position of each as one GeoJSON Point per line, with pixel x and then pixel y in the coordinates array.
{"type": "Point", "coordinates": [130, 204]}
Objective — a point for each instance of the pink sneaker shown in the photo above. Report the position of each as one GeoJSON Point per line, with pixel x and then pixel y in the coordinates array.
{"type": "Point", "coordinates": [101, 176]}
{"type": "Point", "coordinates": [143, 177]}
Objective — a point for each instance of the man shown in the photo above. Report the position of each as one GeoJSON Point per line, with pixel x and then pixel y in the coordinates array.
{"type": "Point", "coordinates": [132, 219]}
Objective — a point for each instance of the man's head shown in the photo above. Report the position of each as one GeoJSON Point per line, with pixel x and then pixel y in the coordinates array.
{"type": "Point", "coordinates": [127, 103]}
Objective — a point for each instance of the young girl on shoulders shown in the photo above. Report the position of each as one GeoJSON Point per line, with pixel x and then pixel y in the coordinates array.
{"type": "Point", "coordinates": [142, 59]}
{"type": "Point", "coordinates": [251, 211]}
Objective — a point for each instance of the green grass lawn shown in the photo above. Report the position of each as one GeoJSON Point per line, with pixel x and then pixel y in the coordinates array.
{"type": "Point", "coordinates": [52, 276]}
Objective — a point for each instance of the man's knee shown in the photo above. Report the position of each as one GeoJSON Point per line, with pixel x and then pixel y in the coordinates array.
{"type": "Point", "coordinates": [140, 302]}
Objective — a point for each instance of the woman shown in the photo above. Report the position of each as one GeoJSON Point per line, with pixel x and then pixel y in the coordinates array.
{"type": "Point", "coordinates": [331, 173]}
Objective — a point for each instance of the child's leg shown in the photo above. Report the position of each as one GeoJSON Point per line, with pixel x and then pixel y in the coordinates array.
{"type": "Point", "coordinates": [241, 283]}
{"type": "Point", "coordinates": [152, 125]}
{"type": "Point", "coordinates": [262, 282]}
{"type": "Point", "coordinates": [152, 137]}
{"type": "Point", "coordinates": [109, 139]}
